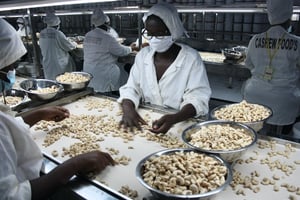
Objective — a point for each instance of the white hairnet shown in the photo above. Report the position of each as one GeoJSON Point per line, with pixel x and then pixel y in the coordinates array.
{"type": "Point", "coordinates": [21, 20]}
{"type": "Point", "coordinates": [107, 20]}
{"type": "Point", "coordinates": [98, 17]}
{"type": "Point", "coordinates": [279, 11]}
{"type": "Point", "coordinates": [51, 19]}
{"type": "Point", "coordinates": [12, 47]}
{"type": "Point", "coordinates": [169, 16]}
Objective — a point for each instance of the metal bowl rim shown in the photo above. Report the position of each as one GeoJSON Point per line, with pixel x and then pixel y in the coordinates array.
{"type": "Point", "coordinates": [76, 72]}
{"type": "Point", "coordinates": [223, 106]}
{"type": "Point", "coordinates": [60, 87]}
{"type": "Point", "coordinates": [170, 151]}
{"type": "Point", "coordinates": [184, 138]}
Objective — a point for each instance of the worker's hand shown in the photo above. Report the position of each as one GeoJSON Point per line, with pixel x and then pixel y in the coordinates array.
{"type": "Point", "coordinates": [163, 124]}
{"type": "Point", "coordinates": [131, 117]}
{"type": "Point", "coordinates": [54, 113]}
{"type": "Point", "coordinates": [92, 162]}
{"type": "Point", "coordinates": [134, 47]}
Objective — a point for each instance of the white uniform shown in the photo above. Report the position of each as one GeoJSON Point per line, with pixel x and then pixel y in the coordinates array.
{"type": "Point", "coordinates": [101, 52]}
{"type": "Point", "coordinates": [280, 93]}
{"type": "Point", "coordinates": [55, 51]}
{"type": "Point", "coordinates": [113, 32]}
{"type": "Point", "coordinates": [24, 31]}
{"type": "Point", "coordinates": [21, 159]}
{"type": "Point", "coordinates": [184, 82]}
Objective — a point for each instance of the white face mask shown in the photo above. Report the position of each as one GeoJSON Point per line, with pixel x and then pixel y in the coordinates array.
{"type": "Point", "coordinates": [161, 45]}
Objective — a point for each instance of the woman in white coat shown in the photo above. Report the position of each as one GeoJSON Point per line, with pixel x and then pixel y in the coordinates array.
{"type": "Point", "coordinates": [165, 73]}
{"type": "Point", "coordinates": [274, 60]}
{"type": "Point", "coordinates": [21, 159]}
{"type": "Point", "coordinates": [101, 52]}
{"type": "Point", "coordinates": [55, 49]}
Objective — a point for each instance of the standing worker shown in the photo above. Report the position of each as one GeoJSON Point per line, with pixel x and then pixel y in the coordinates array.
{"type": "Point", "coordinates": [23, 28]}
{"type": "Point", "coordinates": [165, 73]}
{"type": "Point", "coordinates": [21, 159]}
{"type": "Point", "coordinates": [55, 49]}
{"type": "Point", "coordinates": [274, 60]}
{"type": "Point", "coordinates": [110, 29]}
{"type": "Point", "coordinates": [101, 52]}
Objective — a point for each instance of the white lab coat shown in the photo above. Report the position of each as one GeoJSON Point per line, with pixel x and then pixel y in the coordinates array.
{"type": "Point", "coordinates": [184, 82]}
{"type": "Point", "coordinates": [24, 31]}
{"type": "Point", "coordinates": [55, 49]}
{"type": "Point", "coordinates": [20, 158]}
{"type": "Point", "coordinates": [113, 32]}
{"type": "Point", "coordinates": [101, 52]}
{"type": "Point", "coordinates": [281, 93]}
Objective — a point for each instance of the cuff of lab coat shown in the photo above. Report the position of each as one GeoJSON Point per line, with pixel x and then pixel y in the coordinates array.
{"type": "Point", "coordinates": [201, 108]}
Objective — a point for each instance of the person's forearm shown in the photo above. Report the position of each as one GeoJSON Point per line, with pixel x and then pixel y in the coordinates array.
{"type": "Point", "coordinates": [46, 185]}
{"type": "Point", "coordinates": [185, 113]}
{"type": "Point", "coordinates": [32, 117]}
{"type": "Point", "coordinates": [127, 105]}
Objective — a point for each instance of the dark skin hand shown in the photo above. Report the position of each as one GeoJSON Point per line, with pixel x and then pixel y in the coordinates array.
{"type": "Point", "coordinates": [92, 162]}
{"type": "Point", "coordinates": [53, 113]}
{"type": "Point", "coordinates": [164, 124]}
{"type": "Point", "coordinates": [131, 118]}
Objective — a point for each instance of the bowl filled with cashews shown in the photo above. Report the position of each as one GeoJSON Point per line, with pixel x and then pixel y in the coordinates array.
{"type": "Point", "coordinates": [74, 80]}
{"type": "Point", "coordinates": [253, 115]}
{"type": "Point", "coordinates": [41, 89]}
{"type": "Point", "coordinates": [179, 174]}
{"type": "Point", "coordinates": [227, 139]}
{"type": "Point", "coordinates": [13, 98]}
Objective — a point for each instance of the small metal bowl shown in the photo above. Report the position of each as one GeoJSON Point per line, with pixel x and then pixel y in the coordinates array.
{"type": "Point", "coordinates": [10, 94]}
{"type": "Point", "coordinates": [231, 54]}
{"type": "Point", "coordinates": [70, 86]}
{"type": "Point", "coordinates": [256, 125]}
{"type": "Point", "coordinates": [229, 155]}
{"type": "Point", "coordinates": [168, 196]}
{"type": "Point", "coordinates": [34, 84]}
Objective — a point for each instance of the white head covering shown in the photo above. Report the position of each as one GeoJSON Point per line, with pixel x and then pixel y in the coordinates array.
{"type": "Point", "coordinates": [22, 21]}
{"type": "Point", "coordinates": [279, 11]}
{"type": "Point", "coordinates": [51, 19]}
{"type": "Point", "coordinates": [107, 20]}
{"type": "Point", "coordinates": [169, 16]}
{"type": "Point", "coordinates": [12, 47]}
{"type": "Point", "coordinates": [98, 17]}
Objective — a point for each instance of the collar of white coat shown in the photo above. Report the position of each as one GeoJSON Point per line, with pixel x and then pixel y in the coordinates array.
{"type": "Point", "coordinates": [177, 62]}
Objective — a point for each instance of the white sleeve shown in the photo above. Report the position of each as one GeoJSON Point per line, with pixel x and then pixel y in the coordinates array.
{"type": "Point", "coordinates": [197, 90]}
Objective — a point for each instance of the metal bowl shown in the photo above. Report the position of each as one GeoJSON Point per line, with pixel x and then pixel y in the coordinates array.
{"type": "Point", "coordinates": [231, 54]}
{"type": "Point", "coordinates": [168, 196]}
{"type": "Point", "coordinates": [9, 97]}
{"type": "Point", "coordinates": [256, 125]}
{"type": "Point", "coordinates": [229, 155]}
{"type": "Point", "coordinates": [34, 84]}
{"type": "Point", "coordinates": [70, 86]}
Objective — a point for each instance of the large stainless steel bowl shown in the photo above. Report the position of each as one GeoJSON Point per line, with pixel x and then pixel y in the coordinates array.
{"type": "Point", "coordinates": [140, 169]}
{"type": "Point", "coordinates": [256, 125]}
{"type": "Point", "coordinates": [10, 97]}
{"type": "Point", "coordinates": [229, 155]}
{"type": "Point", "coordinates": [75, 85]}
{"type": "Point", "coordinates": [34, 84]}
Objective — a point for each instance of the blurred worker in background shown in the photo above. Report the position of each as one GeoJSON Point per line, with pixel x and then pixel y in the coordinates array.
{"type": "Point", "coordinates": [55, 49]}
{"type": "Point", "coordinates": [101, 52]}
{"type": "Point", "coordinates": [21, 159]}
{"type": "Point", "coordinates": [165, 73]}
{"type": "Point", "coordinates": [274, 60]}
{"type": "Point", "coordinates": [110, 29]}
{"type": "Point", "coordinates": [24, 30]}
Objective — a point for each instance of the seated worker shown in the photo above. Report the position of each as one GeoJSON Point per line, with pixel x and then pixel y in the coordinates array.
{"type": "Point", "coordinates": [165, 73]}
{"type": "Point", "coordinates": [101, 52]}
{"type": "Point", "coordinates": [55, 49]}
{"type": "Point", "coordinates": [21, 159]}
